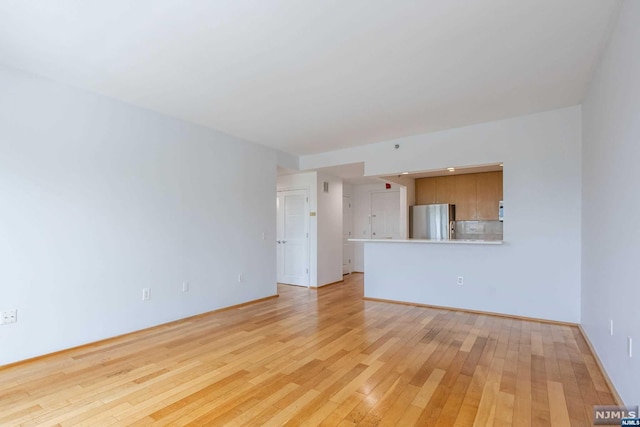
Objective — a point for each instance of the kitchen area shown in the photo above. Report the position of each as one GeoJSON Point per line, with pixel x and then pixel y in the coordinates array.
{"type": "Point", "coordinates": [534, 271]}
{"type": "Point", "coordinates": [453, 205]}
{"type": "Point", "coordinates": [454, 238]}
{"type": "Point", "coordinates": [461, 205]}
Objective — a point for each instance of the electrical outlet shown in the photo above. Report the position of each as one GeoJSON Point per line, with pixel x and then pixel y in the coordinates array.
{"type": "Point", "coordinates": [8, 316]}
{"type": "Point", "coordinates": [185, 286]}
{"type": "Point", "coordinates": [146, 294]}
{"type": "Point", "coordinates": [460, 280]}
{"type": "Point", "coordinates": [630, 346]}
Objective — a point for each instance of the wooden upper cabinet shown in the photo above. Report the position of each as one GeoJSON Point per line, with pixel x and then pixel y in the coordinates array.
{"type": "Point", "coordinates": [489, 194]}
{"type": "Point", "coordinates": [425, 191]}
{"type": "Point", "coordinates": [445, 189]}
{"type": "Point", "coordinates": [466, 197]}
{"type": "Point", "coordinates": [475, 195]}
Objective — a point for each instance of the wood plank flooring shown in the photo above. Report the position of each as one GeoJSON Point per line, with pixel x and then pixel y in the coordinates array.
{"type": "Point", "coordinates": [324, 357]}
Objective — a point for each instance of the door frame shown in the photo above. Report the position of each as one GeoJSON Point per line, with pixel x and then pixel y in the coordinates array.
{"type": "Point", "coordinates": [307, 259]}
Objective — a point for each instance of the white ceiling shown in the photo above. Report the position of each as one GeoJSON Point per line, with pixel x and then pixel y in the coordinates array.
{"type": "Point", "coordinates": [306, 76]}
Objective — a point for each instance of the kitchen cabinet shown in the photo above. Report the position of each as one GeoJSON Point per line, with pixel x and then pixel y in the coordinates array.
{"type": "Point", "coordinates": [445, 189]}
{"type": "Point", "coordinates": [466, 199]}
{"type": "Point", "coordinates": [489, 195]}
{"type": "Point", "coordinates": [475, 195]}
{"type": "Point", "coordinates": [425, 191]}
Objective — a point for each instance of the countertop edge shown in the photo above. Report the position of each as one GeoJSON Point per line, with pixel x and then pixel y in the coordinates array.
{"type": "Point", "coordinates": [438, 242]}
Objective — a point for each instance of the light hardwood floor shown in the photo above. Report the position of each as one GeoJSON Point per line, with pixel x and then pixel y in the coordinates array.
{"type": "Point", "coordinates": [324, 357]}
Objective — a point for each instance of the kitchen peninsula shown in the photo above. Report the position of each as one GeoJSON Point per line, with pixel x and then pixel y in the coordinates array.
{"type": "Point", "coordinates": [455, 251]}
{"type": "Point", "coordinates": [447, 273]}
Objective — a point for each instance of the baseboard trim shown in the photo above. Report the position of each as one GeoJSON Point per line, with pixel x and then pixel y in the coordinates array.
{"type": "Point", "coordinates": [328, 284]}
{"type": "Point", "coordinates": [607, 380]}
{"type": "Point", "coordinates": [129, 334]}
{"type": "Point", "coordinates": [465, 310]}
{"type": "Point", "coordinates": [231, 307]}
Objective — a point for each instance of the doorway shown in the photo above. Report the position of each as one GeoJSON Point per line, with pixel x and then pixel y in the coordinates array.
{"type": "Point", "coordinates": [292, 237]}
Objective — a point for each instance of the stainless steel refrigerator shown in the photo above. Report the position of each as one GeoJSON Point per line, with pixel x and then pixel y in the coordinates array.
{"type": "Point", "coordinates": [434, 222]}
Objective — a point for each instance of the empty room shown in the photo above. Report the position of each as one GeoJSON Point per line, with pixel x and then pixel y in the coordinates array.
{"type": "Point", "coordinates": [330, 213]}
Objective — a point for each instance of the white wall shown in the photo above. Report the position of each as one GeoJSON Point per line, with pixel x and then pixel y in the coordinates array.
{"type": "Point", "coordinates": [407, 198]}
{"type": "Point", "coordinates": [287, 161]}
{"type": "Point", "coordinates": [329, 221]}
{"type": "Point", "coordinates": [611, 240]}
{"type": "Point", "coordinates": [347, 191]}
{"type": "Point", "coordinates": [101, 199]}
{"type": "Point", "coordinates": [536, 272]}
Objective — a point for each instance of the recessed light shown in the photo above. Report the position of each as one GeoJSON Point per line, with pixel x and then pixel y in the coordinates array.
{"type": "Point", "coordinates": [451, 169]}
{"type": "Point", "coordinates": [501, 164]}
{"type": "Point", "coordinates": [405, 173]}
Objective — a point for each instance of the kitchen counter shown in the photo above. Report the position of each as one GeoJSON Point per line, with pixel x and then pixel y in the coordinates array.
{"type": "Point", "coordinates": [441, 242]}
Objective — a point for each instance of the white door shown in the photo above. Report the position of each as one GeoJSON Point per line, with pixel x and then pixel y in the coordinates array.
{"type": "Point", "coordinates": [347, 233]}
{"type": "Point", "coordinates": [293, 237]}
{"type": "Point", "coordinates": [385, 215]}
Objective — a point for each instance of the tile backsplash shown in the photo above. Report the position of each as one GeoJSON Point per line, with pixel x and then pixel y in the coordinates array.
{"type": "Point", "coordinates": [479, 230]}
